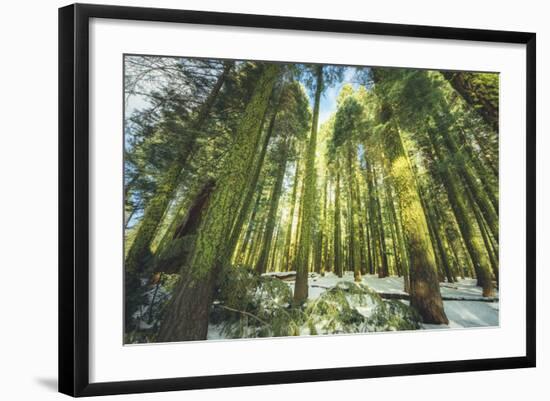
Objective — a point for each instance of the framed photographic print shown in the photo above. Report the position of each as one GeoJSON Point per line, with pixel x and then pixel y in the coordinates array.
{"type": "Point", "coordinates": [250, 199]}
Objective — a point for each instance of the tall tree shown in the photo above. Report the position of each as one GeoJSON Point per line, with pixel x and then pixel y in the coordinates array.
{"type": "Point", "coordinates": [338, 269]}
{"type": "Point", "coordinates": [310, 184]}
{"type": "Point", "coordinates": [157, 206]}
{"type": "Point", "coordinates": [282, 151]}
{"type": "Point", "coordinates": [424, 285]}
{"type": "Point", "coordinates": [187, 314]}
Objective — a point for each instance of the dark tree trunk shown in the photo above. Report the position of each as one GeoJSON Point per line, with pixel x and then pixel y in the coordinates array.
{"type": "Point", "coordinates": [174, 257]}
{"type": "Point", "coordinates": [471, 240]}
{"type": "Point", "coordinates": [483, 97]}
{"type": "Point", "coordinates": [191, 305]}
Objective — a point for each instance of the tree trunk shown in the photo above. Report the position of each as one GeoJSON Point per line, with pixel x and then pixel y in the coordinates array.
{"type": "Point", "coordinates": [471, 239]}
{"type": "Point", "coordinates": [251, 189]}
{"type": "Point", "coordinates": [395, 244]}
{"type": "Point", "coordinates": [337, 228]}
{"type": "Point", "coordinates": [470, 179]}
{"type": "Point", "coordinates": [187, 315]}
{"type": "Point", "coordinates": [174, 256]}
{"type": "Point", "coordinates": [404, 255]}
{"type": "Point", "coordinates": [361, 228]}
{"type": "Point", "coordinates": [493, 258]}
{"type": "Point", "coordinates": [424, 292]}
{"type": "Point", "coordinates": [481, 95]}
{"type": "Point", "coordinates": [324, 225]}
{"type": "Point", "coordinates": [156, 207]}
{"type": "Point", "coordinates": [302, 256]}
{"type": "Point", "coordinates": [261, 265]}
{"type": "Point", "coordinates": [383, 271]}
{"type": "Point", "coordinates": [437, 241]}
{"type": "Point", "coordinates": [242, 252]}
{"type": "Point", "coordinates": [288, 240]}
{"type": "Point", "coordinates": [355, 257]}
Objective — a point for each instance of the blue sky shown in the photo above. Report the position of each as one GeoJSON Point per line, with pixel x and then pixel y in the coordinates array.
{"type": "Point", "coordinates": [327, 105]}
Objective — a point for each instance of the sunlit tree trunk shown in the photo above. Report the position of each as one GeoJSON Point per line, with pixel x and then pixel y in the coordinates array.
{"type": "Point", "coordinates": [156, 207]}
{"type": "Point", "coordinates": [391, 214]}
{"type": "Point", "coordinates": [401, 241]}
{"type": "Point", "coordinates": [244, 246]}
{"type": "Point", "coordinates": [288, 239]}
{"type": "Point", "coordinates": [361, 228]}
{"type": "Point", "coordinates": [298, 230]}
{"type": "Point", "coordinates": [372, 218]}
{"type": "Point", "coordinates": [441, 254]}
{"type": "Point", "coordinates": [247, 200]}
{"type": "Point", "coordinates": [383, 270]}
{"type": "Point", "coordinates": [337, 229]}
{"type": "Point", "coordinates": [274, 247]}
{"type": "Point", "coordinates": [324, 232]}
{"type": "Point", "coordinates": [173, 258]}
{"type": "Point", "coordinates": [302, 256]}
{"type": "Point", "coordinates": [187, 315]}
{"type": "Point", "coordinates": [425, 295]}
{"type": "Point", "coordinates": [354, 255]}
{"type": "Point", "coordinates": [261, 264]}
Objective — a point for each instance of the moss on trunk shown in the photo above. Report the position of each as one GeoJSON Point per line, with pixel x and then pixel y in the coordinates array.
{"type": "Point", "coordinates": [308, 201]}
{"type": "Point", "coordinates": [187, 314]}
{"type": "Point", "coordinates": [424, 285]}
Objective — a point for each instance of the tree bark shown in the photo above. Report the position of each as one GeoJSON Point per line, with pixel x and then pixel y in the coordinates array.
{"type": "Point", "coordinates": [302, 256]}
{"type": "Point", "coordinates": [337, 229]}
{"type": "Point", "coordinates": [355, 257]}
{"type": "Point", "coordinates": [261, 264]}
{"type": "Point", "coordinates": [424, 292]}
{"type": "Point", "coordinates": [156, 208]}
{"type": "Point", "coordinates": [187, 315]}
{"type": "Point", "coordinates": [288, 240]}
{"type": "Point", "coordinates": [481, 95]}
{"type": "Point", "coordinates": [251, 189]}
{"type": "Point", "coordinates": [471, 239]}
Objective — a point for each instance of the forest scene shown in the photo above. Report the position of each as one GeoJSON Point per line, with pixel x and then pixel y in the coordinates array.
{"type": "Point", "coordinates": [272, 199]}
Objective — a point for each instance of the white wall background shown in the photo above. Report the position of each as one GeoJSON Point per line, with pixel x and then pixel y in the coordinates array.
{"type": "Point", "coordinates": [28, 201]}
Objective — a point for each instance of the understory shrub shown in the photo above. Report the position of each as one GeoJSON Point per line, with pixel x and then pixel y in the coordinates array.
{"type": "Point", "coordinates": [248, 305]}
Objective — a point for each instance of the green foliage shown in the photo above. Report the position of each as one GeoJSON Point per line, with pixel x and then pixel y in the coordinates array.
{"type": "Point", "coordinates": [248, 305]}
{"type": "Point", "coordinates": [149, 309]}
{"type": "Point", "coordinates": [348, 120]}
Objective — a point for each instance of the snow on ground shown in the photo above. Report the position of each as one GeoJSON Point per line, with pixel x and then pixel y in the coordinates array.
{"type": "Point", "coordinates": [461, 314]}
{"type": "Point", "coordinates": [214, 332]}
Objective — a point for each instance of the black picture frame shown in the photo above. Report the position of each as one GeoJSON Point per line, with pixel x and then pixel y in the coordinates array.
{"type": "Point", "coordinates": [74, 201]}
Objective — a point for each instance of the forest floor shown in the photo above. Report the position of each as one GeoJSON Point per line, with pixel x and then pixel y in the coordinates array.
{"type": "Point", "coordinates": [461, 313]}
{"type": "Point", "coordinates": [463, 301]}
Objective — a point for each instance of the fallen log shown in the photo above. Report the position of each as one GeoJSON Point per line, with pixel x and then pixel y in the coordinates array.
{"type": "Point", "coordinates": [406, 297]}
{"type": "Point", "coordinates": [283, 276]}
{"type": "Point", "coordinates": [399, 295]}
